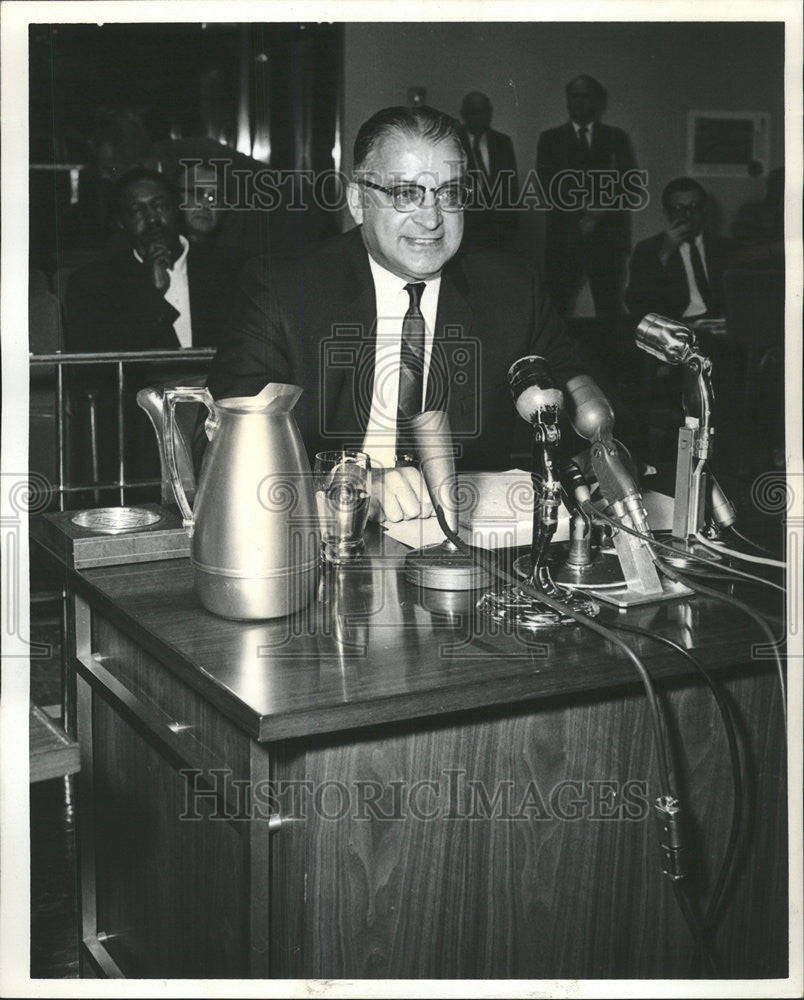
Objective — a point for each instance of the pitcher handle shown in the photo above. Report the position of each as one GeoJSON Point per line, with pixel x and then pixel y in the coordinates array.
{"type": "Point", "coordinates": [183, 394]}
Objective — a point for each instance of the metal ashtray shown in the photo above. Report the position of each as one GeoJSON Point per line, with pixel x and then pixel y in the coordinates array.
{"type": "Point", "coordinates": [115, 520]}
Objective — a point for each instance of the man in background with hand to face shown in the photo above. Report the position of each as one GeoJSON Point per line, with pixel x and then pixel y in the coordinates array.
{"type": "Point", "coordinates": [679, 272]}
{"type": "Point", "coordinates": [393, 318]}
{"type": "Point", "coordinates": [154, 292]}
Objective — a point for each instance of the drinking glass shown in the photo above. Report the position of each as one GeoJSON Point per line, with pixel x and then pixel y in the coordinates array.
{"type": "Point", "coordinates": [342, 494]}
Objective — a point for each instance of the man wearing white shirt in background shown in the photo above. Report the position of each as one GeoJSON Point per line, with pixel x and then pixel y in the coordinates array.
{"type": "Point", "coordinates": [153, 291]}
{"type": "Point", "coordinates": [491, 219]}
{"type": "Point", "coordinates": [587, 228]}
{"type": "Point", "coordinates": [679, 272]}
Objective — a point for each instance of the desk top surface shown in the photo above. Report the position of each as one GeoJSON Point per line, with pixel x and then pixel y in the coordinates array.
{"type": "Point", "coordinates": [373, 648]}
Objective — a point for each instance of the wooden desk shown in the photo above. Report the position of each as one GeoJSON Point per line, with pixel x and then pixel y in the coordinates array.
{"type": "Point", "coordinates": [452, 801]}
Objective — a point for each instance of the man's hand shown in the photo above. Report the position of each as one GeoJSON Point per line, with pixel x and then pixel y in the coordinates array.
{"type": "Point", "coordinates": [158, 260]}
{"type": "Point", "coordinates": [398, 494]}
{"type": "Point", "coordinates": [674, 235]}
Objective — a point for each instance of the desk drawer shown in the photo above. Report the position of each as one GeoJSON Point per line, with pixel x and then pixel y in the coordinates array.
{"type": "Point", "coordinates": [191, 728]}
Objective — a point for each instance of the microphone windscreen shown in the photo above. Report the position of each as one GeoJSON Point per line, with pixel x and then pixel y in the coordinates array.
{"type": "Point", "coordinates": [536, 396]}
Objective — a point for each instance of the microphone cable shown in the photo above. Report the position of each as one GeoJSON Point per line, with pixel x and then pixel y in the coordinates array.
{"type": "Point", "coordinates": [715, 547]}
{"type": "Point", "coordinates": [672, 840]}
{"type": "Point", "coordinates": [748, 541]}
{"type": "Point", "coordinates": [678, 577]}
{"type": "Point", "coordinates": [729, 570]}
{"type": "Point", "coordinates": [728, 867]}
{"type": "Point", "coordinates": [695, 585]}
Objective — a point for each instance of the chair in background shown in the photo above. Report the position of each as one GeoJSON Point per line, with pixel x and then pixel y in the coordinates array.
{"type": "Point", "coordinates": [754, 306]}
{"type": "Point", "coordinates": [151, 399]}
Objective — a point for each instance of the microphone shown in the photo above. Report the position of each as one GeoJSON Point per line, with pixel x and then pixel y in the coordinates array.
{"type": "Point", "coordinates": [592, 416]}
{"type": "Point", "coordinates": [537, 398]}
{"type": "Point", "coordinates": [669, 341]}
{"type": "Point", "coordinates": [590, 412]}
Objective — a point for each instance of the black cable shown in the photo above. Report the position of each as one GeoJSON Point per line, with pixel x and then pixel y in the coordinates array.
{"type": "Point", "coordinates": [747, 609]}
{"type": "Point", "coordinates": [599, 514]}
{"type": "Point", "coordinates": [728, 865]}
{"type": "Point", "coordinates": [696, 927]}
{"type": "Point", "coordinates": [748, 541]}
{"type": "Point", "coordinates": [582, 619]}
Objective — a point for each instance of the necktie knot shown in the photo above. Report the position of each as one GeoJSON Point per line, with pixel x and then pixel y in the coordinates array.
{"type": "Point", "coordinates": [415, 290]}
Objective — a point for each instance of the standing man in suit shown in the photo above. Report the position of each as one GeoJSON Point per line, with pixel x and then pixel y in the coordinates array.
{"type": "Point", "coordinates": [587, 236]}
{"type": "Point", "coordinates": [490, 217]}
{"type": "Point", "coordinates": [394, 317]}
{"type": "Point", "coordinates": [679, 272]}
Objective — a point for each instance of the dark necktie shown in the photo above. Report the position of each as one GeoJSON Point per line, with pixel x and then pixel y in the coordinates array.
{"type": "Point", "coordinates": [411, 368]}
{"type": "Point", "coordinates": [700, 275]}
{"type": "Point", "coordinates": [476, 153]}
{"type": "Point", "coordinates": [583, 138]}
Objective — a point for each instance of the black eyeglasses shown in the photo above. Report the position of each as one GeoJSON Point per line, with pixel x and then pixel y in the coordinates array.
{"type": "Point", "coordinates": [409, 197]}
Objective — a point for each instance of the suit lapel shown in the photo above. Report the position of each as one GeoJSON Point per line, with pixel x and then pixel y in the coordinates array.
{"type": "Point", "coordinates": [351, 387]}
{"type": "Point", "coordinates": [448, 382]}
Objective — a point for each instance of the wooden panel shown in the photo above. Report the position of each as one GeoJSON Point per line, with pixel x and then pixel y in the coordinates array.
{"type": "Point", "coordinates": [217, 741]}
{"type": "Point", "coordinates": [171, 891]}
{"type": "Point", "coordinates": [550, 894]}
{"type": "Point", "coordinates": [373, 648]}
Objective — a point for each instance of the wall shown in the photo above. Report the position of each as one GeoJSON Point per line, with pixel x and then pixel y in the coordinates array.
{"type": "Point", "coordinates": [654, 74]}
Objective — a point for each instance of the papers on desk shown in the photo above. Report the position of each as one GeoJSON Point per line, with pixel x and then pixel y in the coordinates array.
{"type": "Point", "coordinates": [496, 512]}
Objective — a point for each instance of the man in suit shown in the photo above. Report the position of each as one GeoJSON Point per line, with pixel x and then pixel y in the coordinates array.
{"type": "Point", "coordinates": [679, 272]}
{"type": "Point", "coordinates": [394, 317]}
{"type": "Point", "coordinates": [490, 218]}
{"type": "Point", "coordinates": [587, 227]}
{"type": "Point", "coordinates": [155, 292]}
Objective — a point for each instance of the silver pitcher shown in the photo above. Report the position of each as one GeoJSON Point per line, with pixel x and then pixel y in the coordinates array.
{"type": "Point", "coordinates": [254, 532]}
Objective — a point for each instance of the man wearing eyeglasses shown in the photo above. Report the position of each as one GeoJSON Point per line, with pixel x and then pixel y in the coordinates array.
{"type": "Point", "coordinates": [679, 272]}
{"type": "Point", "coordinates": [393, 317]}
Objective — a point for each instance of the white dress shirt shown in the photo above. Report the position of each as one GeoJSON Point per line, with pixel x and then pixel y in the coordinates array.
{"type": "Point", "coordinates": [696, 306]}
{"type": "Point", "coordinates": [178, 295]}
{"type": "Point", "coordinates": [483, 149]}
{"type": "Point", "coordinates": [392, 304]}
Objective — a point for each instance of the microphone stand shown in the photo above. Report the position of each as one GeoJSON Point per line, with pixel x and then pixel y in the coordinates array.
{"type": "Point", "coordinates": [696, 487]}
{"type": "Point", "coordinates": [510, 604]}
{"type": "Point", "coordinates": [442, 566]}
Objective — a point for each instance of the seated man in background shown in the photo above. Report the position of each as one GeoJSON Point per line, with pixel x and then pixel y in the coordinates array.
{"type": "Point", "coordinates": [157, 292]}
{"type": "Point", "coordinates": [679, 272]}
{"type": "Point", "coordinates": [394, 317]}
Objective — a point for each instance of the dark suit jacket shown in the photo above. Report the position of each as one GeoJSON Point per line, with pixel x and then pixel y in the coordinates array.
{"type": "Point", "coordinates": [111, 305]}
{"type": "Point", "coordinates": [559, 150]}
{"type": "Point", "coordinates": [501, 155]}
{"type": "Point", "coordinates": [490, 217]}
{"type": "Point", "coordinates": [311, 322]}
{"type": "Point", "coordinates": [654, 288]}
